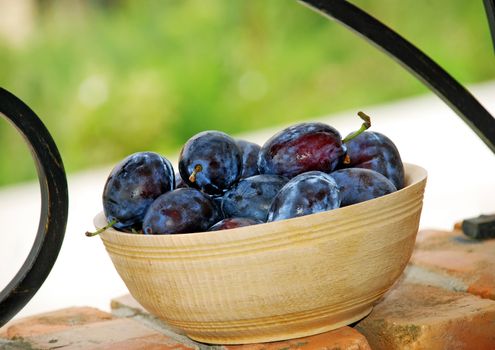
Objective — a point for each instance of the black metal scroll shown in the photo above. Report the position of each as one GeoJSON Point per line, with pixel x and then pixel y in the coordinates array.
{"type": "Point", "coordinates": [490, 12]}
{"type": "Point", "coordinates": [54, 207]}
{"type": "Point", "coordinates": [419, 64]}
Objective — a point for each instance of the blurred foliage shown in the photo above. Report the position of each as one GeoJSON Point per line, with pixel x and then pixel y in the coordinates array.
{"type": "Point", "coordinates": [118, 77]}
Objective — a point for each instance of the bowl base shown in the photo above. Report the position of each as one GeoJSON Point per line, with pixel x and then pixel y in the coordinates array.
{"type": "Point", "coordinates": [283, 331]}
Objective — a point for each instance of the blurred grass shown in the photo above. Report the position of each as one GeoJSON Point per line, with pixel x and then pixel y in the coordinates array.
{"type": "Point", "coordinates": [112, 80]}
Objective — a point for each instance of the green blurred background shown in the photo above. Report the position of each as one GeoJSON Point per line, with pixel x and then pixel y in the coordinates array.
{"type": "Point", "coordinates": [110, 78]}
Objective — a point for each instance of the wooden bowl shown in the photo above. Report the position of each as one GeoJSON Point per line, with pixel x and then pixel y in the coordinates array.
{"type": "Point", "coordinates": [273, 281]}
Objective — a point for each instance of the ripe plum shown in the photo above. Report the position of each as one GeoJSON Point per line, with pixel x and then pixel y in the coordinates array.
{"type": "Point", "coordinates": [304, 194]}
{"type": "Point", "coordinates": [358, 185]}
{"type": "Point", "coordinates": [210, 161]}
{"type": "Point", "coordinates": [251, 197]}
{"type": "Point", "coordinates": [300, 148]}
{"type": "Point", "coordinates": [375, 151]}
{"type": "Point", "coordinates": [133, 185]}
{"type": "Point", "coordinates": [183, 210]}
{"type": "Point", "coordinates": [217, 200]}
{"type": "Point", "coordinates": [229, 223]}
{"type": "Point", "coordinates": [250, 153]}
{"type": "Point", "coordinates": [179, 183]}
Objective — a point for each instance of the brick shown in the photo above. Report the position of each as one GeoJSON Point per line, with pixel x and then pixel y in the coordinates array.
{"type": "Point", "coordinates": [431, 236]}
{"type": "Point", "coordinates": [414, 316]}
{"type": "Point", "coordinates": [153, 342]}
{"type": "Point", "coordinates": [435, 239]}
{"type": "Point", "coordinates": [455, 256]}
{"type": "Point", "coordinates": [483, 285]}
{"type": "Point", "coordinates": [420, 275]}
{"type": "Point", "coordinates": [127, 306]}
{"type": "Point", "coordinates": [14, 345]}
{"type": "Point", "coordinates": [344, 338]}
{"type": "Point", "coordinates": [53, 322]}
{"type": "Point", "coordinates": [83, 329]}
{"type": "Point", "coordinates": [113, 334]}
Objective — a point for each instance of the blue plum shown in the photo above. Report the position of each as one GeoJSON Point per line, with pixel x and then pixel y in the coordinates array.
{"type": "Point", "coordinates": [250, 153]}
{"type": "Point", "coordinates": [217, 200]}
{"type": "Point", "coordinates": [251, 197]}
{"type": "Point", "coordinates": [184, 210]}
{"type": "Point", "coordinates": [210, 161]}
{"type": "Point", "coordinates": [375, 151]}
{"type": "Point", "coordinates": [229, 223]}
{"type": "Point", "coordinates": [179, 183]}
{"type": "Point", "coordinates": [307, 193]}
{"type": "Point", "coordinates": [133, 184]}
{"type": "Point", "coordinates": [358, 185]}
{"type": "Point", "coordinates": [301, 148]}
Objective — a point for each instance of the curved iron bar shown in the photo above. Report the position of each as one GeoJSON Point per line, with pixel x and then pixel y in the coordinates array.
{"type": "Point", "coordinates": [54, 207]}
{"type": "Point", "coordinates": [419, 64]}
{"type": "Point", "coordinates": [490, 13]}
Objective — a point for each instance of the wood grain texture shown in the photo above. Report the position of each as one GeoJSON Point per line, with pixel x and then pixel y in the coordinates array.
{"type": "Point", "coordinates": [273, 281]}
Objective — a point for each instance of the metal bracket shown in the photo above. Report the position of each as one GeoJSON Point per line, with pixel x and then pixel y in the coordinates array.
{"type": "Point", "coordinates": [415, 61]}
{"type": "Point", "coordinates": [490, 13]}
{"type": "Point", "coordinates": [54, 207]}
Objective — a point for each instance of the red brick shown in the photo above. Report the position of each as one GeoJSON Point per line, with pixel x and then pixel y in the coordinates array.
{"type": "Point", "coordinates": [345, 338]}
{"type": "Point", "coordinates": [483, 285]}
{"type": "Point", "coordinates": [458, 256]}
{"type": "Point", "coordinates": [435, 239]}
{"type": "Point", "coordinates": [413, 316]}
{"type": "Point", "coordinates": [53, 322]}
{"type": "Point", "coordinates": [457, 262]}
{"type": "Point", "coordinates": [431, 236]}
{"type": "Point", "coordinates": [127, 306]}
{"type": "Point", "coordinates": [113, 334]}
{"type": "Point", "coordinates": [152, 342]}
{"type": "Point", "coordinates": [128, 303]}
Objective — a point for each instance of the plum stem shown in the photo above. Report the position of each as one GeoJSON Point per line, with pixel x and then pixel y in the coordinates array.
{"type": "Point", "coordinates": [100, 230]}
{"type": "Point", "coordinates": [197, 169]}
{"type": "Point", "coordinates": [366, 125]}
{"type": "Point", "coordinates": [347, 160]}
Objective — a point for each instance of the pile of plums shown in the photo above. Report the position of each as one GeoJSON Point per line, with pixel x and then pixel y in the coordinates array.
{"type": "Point", "coordinates": [224, 183]}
